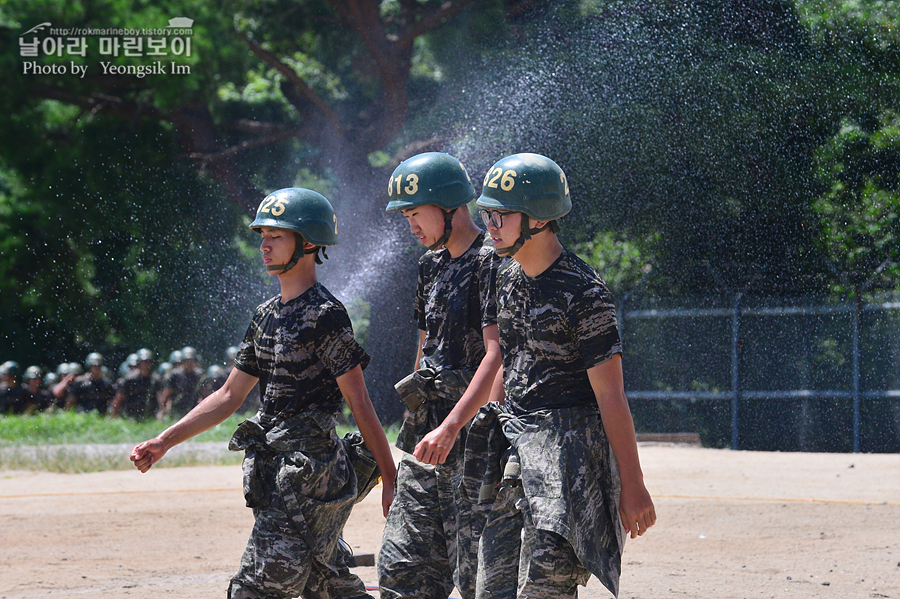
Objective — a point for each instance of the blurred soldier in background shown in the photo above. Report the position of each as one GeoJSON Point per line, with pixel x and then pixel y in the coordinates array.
{"type": "Point", "coordinates": [211, 381]}
{"type": "Point", "coordinates": [37, 398]}
{"type": "Point", "coordinates": [175, 358]}
{"type": "Point", "coordinates": [12, 394]}
{"type": "Point", "coordinates": [179, 394]}
{"type": "Point", "coordinates": [136, 392]}
{"type": "Point", "coordinates": [91, 390]}
{"type": "Point", "coordinates": [8, 371]}
{"type": "Point", "coordinates": [50, 380]}
{"type": "Point", "coordinates": [128, 365]}
{"type": "Point", "coordinates": [60, 389]}
{"type": "Point", "coordinates": [230, 354]}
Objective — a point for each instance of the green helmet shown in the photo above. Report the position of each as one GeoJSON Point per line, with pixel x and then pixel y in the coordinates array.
{"type": "Point", "coordinates": [430, 178]}
{"type": "Point", "coordinates": [189, 353]}
{"type": "Point", "coordinates": [528, 183]}
{"type": "Point", "coordinates": [33, 372]}
{"type": "Point", "coordinates": [303, 211]}
{"type": "Point", "coordinates": [10, 367]}
{"type": "Point", "coordinates": [129, 363]}
{"type": "Point", "coordinates": [50, 379]}
{"type": "Point", "coordinates": [94, 359]}
{"type": "Point", "coordinates": [300, 210]}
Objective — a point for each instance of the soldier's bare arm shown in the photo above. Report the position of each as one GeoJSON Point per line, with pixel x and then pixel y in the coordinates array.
{"type": "Point", "coordinates": [353, 388]}
{"type": "Point", "coordinates": [437, 444]}
{"type": "Point", "coordinates": [636, 507]}
{"type": "Point", "coordinates": [215, 408]}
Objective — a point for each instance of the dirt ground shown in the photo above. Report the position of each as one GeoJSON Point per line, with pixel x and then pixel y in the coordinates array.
{"type": "Point", "coordinates": [731, 525]}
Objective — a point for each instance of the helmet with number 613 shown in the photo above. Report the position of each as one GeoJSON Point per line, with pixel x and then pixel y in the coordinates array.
{"type": "Point", "coordinates": [528, 183]}
{"type": "Point", "coordinates": [430, 178]}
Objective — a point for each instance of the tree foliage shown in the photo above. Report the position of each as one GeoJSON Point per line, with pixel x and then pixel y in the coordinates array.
{"type": "Point", "coordinates": [711, 147]}
{"type": "Point", "coordinates": [861, 208]}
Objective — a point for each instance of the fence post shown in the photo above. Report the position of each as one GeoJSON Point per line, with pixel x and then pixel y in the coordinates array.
{"type": "Point", "coordinates": [855, 344]}
{"type": "Point", "coordinates": [735, 369]}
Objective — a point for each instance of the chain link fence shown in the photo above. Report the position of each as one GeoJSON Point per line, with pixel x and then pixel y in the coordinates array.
{"type": "Point", "coordinates": [766, 374]}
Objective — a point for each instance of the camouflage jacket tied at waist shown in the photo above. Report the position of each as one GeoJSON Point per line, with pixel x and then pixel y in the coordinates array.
{"type": "Point", "coordinates": [430, 396]}
{"type": "Point", "coordinates": [310, 433]}
{"type": "Point", "coordinates": [568, 473]}
{"type": "Point", "coordinates": [301, 466]}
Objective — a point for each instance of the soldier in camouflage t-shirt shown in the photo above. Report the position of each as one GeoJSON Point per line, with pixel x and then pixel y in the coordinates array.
{"type": "Point", "coordinates": [429, 539]}
{"type": "Point", "coordinates": [572, 477]}
{"type": "Point", "coordinates": [298, 477]}
{"type": "Point", "coordinates": [136, 391]}
{"type": "Point", "coordinates": [92, 390]}
{"type": "Point", "coordinates": [179, 388]}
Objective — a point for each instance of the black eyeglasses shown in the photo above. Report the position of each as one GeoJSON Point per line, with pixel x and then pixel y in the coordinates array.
{"type": "Point", "coordinates": [492, 217]}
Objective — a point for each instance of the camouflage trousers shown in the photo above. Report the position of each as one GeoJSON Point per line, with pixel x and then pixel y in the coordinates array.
{"type": "Point", "coordinates": [518, 560]}
{"type": "Point", "coordinates": [301, 486]}
{"type": "Point", "coordinates": [418, 556]}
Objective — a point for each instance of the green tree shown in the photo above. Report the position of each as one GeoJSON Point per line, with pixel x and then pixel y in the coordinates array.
{"type": "Point", "coordinates": [690, 133]}
{"type": "Point", "coordinates": [118, 180]}
{"type": "Point", "coordinates": [861, 209]}
{"type": "Point", "coordinates": [858, 162]}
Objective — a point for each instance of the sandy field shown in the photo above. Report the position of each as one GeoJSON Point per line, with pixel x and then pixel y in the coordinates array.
{"type": "Point", "coordinates": [731, 525]}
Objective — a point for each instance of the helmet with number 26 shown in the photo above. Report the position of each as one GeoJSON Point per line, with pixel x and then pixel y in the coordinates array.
{"type": "Point", "coordinates": [528, 183]}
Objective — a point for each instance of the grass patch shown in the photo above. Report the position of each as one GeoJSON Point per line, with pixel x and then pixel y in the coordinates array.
{"type": "Point", "coordinates": [76, 442]}
{"type": "Point", "coordinates": [82, 428]}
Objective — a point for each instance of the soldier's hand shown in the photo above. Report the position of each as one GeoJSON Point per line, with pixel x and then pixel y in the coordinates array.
{"type": "Point", "coordinates": [387, 495]}
{"type": "Point", "coordinates": [637, 510]}
{"type": "Point", "coordinates": [436, 446]}
{"type": "Point", "coordinates": [145, 454]}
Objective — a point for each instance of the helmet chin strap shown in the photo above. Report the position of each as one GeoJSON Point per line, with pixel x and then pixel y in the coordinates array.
{"type": "Point", "coordinates": [526, 234]}
{"type": "Point", "coordinates": [448, 229]}
{"type": "Point", "coordinates": [299, 252]}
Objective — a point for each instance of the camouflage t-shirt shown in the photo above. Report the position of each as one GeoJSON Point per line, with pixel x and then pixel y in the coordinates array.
{"type": "Point", "coordinates": [139, 394]}
{"type": "Point", "coordinates": [553, 327]}
{"type": "Point", "coordinates": [92, 394]}
{"type": "Point", "coordinates": [455, 300]}
{"type": "Point", "coordinates": [183, 381]}
{"type": "Point", "coordinates": [297, 350]}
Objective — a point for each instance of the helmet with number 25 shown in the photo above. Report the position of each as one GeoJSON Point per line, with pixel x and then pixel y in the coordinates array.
{"type": "Point", "coordinates": [300, 210]}
{"type": "Point", "coordinates": [305, 212]}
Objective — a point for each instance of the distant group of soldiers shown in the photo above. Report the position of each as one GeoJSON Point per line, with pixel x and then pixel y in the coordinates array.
{"type": "Point", "coordinates": [137, 390]}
